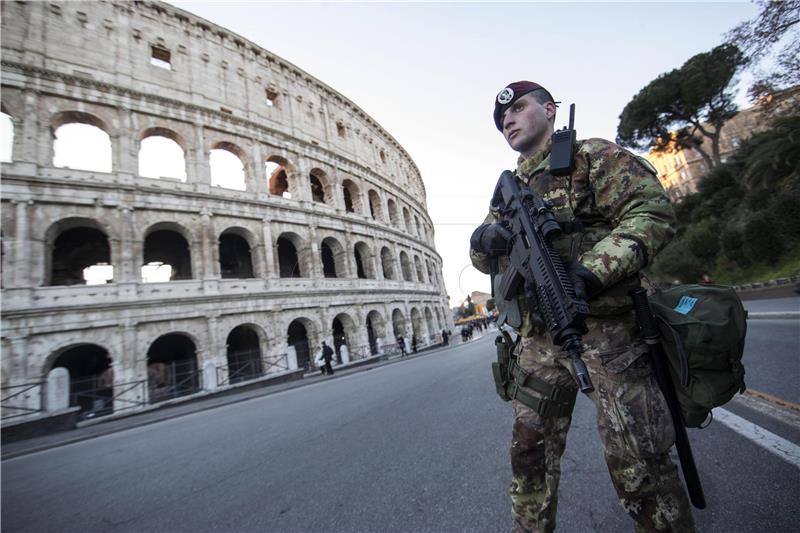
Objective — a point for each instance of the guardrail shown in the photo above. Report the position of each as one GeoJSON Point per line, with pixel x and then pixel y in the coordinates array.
{"type": "Point", "coordinates": [10, 398]}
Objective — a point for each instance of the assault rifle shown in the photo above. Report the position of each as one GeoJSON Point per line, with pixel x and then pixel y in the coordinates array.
{"type": "Point", "coordinates": [535, 265]}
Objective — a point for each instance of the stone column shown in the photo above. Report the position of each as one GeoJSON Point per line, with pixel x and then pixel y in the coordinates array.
{"type": "Point", "coordinates": [197, 162]}
{"type": "Point", "coordinates": [256, 178]}
{"type": "Point", "coordinates": [315, 261]}
{"type": "Point", "coordinates": [209, 267]}
{"type": "Point", "coordinates": [130, 372]}
{"type": "Point", "coordinates": [125, 273]}
{"type": "Point", "coordinates": [22, 248]}
{"type": "Point", "coordinates": [214, 354]}
{"type": "Point", "coordinates": [270, 261]}
{"type": "Point", "coordinates": [125, 146]}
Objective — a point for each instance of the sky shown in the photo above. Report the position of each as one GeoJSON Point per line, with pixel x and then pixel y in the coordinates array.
{"type": "Point", "coordinates": [428, 73]}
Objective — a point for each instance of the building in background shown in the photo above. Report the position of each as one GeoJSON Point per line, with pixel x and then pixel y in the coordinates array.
{"type": "Point", "coordinates": [139, 281]}
{"type": "Point", "coordinates": [679, 170]}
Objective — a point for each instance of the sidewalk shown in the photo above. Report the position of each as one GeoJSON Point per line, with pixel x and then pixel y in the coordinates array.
{"type": "Point", "coordinates": [103, 426]}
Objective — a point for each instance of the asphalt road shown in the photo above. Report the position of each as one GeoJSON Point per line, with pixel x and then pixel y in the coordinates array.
{"type": "Point", "coordinates": [419, 445]}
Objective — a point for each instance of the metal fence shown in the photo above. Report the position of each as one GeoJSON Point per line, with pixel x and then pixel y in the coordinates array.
{"type": "Point", "coordinates": [15, 399]}
{"type": "Point", "coordinates": [167, 380]}
{"type": "Point", "coordinates": [245, 368]}
{"type": "Point", "coordinates": [98, 399]}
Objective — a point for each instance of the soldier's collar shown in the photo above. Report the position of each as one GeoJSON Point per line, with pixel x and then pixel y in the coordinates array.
{"type": "Point", "coordinates": [526, 166]}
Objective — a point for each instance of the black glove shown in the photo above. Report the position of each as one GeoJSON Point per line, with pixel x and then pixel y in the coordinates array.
{"type": "Point", "coordinates": [493, 239]}
{"type": "Point", "coordinates": [586, 284]}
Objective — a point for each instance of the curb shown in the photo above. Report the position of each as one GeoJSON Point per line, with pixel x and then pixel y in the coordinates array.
{"type": "Point", "coordinates": [174, 411]}
{"type": "Point", "coordinates": [773, 315]}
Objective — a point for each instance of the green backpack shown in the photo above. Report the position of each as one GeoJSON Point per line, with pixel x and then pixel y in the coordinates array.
{"type": "Point", "coordinates": [702, 331]}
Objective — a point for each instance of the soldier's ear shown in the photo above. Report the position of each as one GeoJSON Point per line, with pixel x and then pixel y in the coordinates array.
{"type": "Point", "coordinates": [550, 110]}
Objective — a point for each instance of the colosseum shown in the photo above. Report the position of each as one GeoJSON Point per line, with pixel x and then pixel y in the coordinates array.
{"type": "Point", "coordinates": [234, 212]}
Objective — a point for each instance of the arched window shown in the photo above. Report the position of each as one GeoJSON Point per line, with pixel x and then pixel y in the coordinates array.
{"type": "Point", "coordinates": [375, 205]}
{"type": "Point", "coordinates": [288, 260]}
{"type": "Point", "coordinates": [81, 255]}
{"type": "Point", "coordinates": [387, 263]}
{"type": "Point", "coordinates": [172, 367]}
{"type": "Point", "coordinates": [235, 260]}
{"type": "Point", "coordinates": [244, 354]}
{"type": "Point", "coordinates": [6, 137]}
{"type": "Point", "coordinates": [393, 216]}
{"type": "Point", "coordinates": [352, 197]}
{"type": "Point", "coordinates": [278, 176]}
{"type": "Point", "coordinates": [405, 264]}
{"type": "Point", "coordinates": [166, 257]}
{"type": "Point", "coordinates": [363, 257]}
{"type": "Point", "coordinates": [160, 156]}
{"type": "Point", "coordinates": [319, 184]}
{"type": "Point", "coordinates": [80, 143]}
{"type": "Point", "coordinates": [227, 167]}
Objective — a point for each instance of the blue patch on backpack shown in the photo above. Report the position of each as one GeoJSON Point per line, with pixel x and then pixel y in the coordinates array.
{"type": "Point", "coordinates": [685, 305]}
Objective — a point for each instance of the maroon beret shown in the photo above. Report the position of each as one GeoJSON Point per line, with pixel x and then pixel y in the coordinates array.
{"type": "Point", "coordinates": [509, 95]}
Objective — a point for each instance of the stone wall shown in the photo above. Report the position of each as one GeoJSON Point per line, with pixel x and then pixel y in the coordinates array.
{"type": "Point", "coordinates": [92, 63]}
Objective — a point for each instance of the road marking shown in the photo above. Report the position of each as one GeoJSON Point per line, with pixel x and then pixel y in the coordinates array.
{"type": "Point", "coordinates": [773, 399]}
{"type": "Point", "coordinates": [786, 450]}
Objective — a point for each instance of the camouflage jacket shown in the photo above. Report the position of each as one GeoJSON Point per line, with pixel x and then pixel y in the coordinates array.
{"type": "Point", "coordinates": [614, 212]}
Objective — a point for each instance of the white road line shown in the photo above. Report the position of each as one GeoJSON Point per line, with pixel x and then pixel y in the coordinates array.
{"type": "Point", "coordinates": [786, 450]}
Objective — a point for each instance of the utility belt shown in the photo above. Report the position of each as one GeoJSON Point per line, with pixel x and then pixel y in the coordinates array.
{"type": "Point", "coordinates": [512, 382]}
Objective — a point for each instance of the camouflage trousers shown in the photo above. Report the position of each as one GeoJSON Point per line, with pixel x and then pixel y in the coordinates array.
{"type": "Point", "coordinates": [633, 420]}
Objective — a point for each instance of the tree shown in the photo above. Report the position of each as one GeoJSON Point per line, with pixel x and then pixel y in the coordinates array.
{"type": "Point", "coordinates": [758, 37]}
{"type": "Point", "coordinates": [682, 107]}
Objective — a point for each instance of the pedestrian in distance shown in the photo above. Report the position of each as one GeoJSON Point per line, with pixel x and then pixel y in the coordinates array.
{"type": "Point", "coordinates": [401, 343]}
{"type": "Point", "coordinates": [614, 218]}
{"type": "Point", "coordinates": [445, 337]}
{"type": "Point", "coordinates": [414, 343]}
{"type": "Point", "coordinates": [327, 356]}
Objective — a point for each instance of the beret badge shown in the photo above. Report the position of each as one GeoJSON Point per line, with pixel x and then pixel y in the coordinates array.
{"type": "Point", "coordinates": [505, 96]}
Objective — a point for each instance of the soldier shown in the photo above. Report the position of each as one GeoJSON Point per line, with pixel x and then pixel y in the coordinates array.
{"type": "Point", "coordinates": [615, 217]}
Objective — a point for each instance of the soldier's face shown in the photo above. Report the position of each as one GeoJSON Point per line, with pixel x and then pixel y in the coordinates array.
{"type": "Point", "coordinates": [527, 124]}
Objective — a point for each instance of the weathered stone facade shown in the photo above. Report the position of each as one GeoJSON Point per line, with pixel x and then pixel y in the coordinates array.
{"type": "Point", "coordinates": [365, 267]}
{"type": "Point", "coordinates": [679, 170]}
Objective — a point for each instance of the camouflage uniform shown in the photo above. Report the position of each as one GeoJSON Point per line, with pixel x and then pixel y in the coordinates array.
{"type": "Point", "coordinates": [624, 218]}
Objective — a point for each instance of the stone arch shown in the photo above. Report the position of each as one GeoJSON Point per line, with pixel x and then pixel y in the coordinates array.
{"type": "Point", "coordinates": [226, 171]}
{"type": "Point", "coordinates": [73, 245]}
{"type": "Point", "coordinates": [365, 263]}
{"type": "Point", "coordinates": [398, 323]}
{"type": "Point", "coordinates": [166, 243]}
{"type": "Point", "coordinates": [394, 218]}
{"type": "Point", "coordinates": [235, 253]}
{"type": "Point", "coordinates": [320, 186]}
{"type": "Point", "coordinates": [375, 208]}
{"type": "Point", "coordinates": [343, 330]}
{"type": "Point", "coordinates": [91, 377]}
{"type": "Point", "coordinates": [416, 324]}
{"type": "Point", "coordinates": [429, 321]}
{"type": "Point", "coordinates": [243, 352]}
{"type": "Point", "coordinates": [170, 150]}
{"type": "Point", "coordinates": [388, 264]}
{"type": "Point", "coordinates": [418, 268]}
{"type": "Point", "coordinates": [405, 265]}
{"type": "Point", "coordinates": [376, 330]}
{"type": "Point", "coordinates": [292, 256]}
{"type": "Point", "coordinates": [281, 176]}
{"type": "Point", "coordinates": [352, 197]}
{"type": "Point", "coordinates": [172, 368]}
{"type": "Point", "coordinates": [333, 258]}
{"type": "Point", "coordinates": [301, 334]}
{"type": "Point", "coordinates": [407, 221]}
{"type": "Point", "coordinates": [78, 144]}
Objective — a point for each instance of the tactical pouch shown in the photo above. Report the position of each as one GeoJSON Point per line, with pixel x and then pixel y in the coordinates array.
{"type": "Point", "coordinates": [500, 370]}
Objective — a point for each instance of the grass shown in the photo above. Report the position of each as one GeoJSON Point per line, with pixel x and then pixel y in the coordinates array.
{"type": "Point", "coordinates": [789, 265]}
